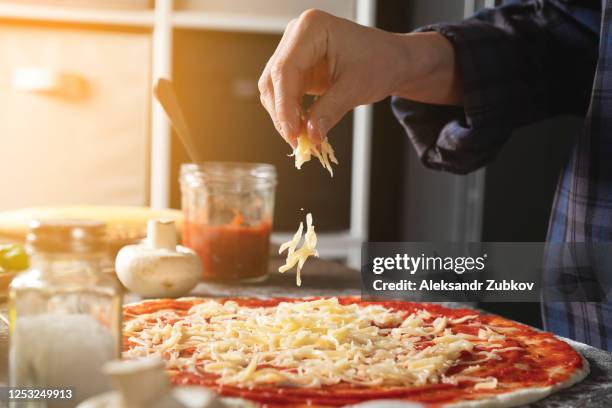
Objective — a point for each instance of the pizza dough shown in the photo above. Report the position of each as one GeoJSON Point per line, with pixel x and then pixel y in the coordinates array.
{"type": "Point", "coordinates": [342, 351]}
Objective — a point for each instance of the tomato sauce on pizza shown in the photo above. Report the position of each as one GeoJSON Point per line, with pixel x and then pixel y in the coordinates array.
{"type": "Point", "coordinates": [342, 351]}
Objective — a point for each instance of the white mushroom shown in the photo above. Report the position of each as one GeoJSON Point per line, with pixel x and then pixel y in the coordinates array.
{"type": "Point", "coordinates": [158, 267]}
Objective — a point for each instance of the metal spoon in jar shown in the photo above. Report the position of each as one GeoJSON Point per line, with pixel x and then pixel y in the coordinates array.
{"type": "Point", "coordinates": [164, 93]}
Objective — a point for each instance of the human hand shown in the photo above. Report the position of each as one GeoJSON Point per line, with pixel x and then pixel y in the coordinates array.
{"type": "Point", "coordinates": [346, 65]}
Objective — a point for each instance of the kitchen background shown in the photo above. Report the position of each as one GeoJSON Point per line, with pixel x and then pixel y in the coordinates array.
{"type": "Point", "coordinates": [78, 124]}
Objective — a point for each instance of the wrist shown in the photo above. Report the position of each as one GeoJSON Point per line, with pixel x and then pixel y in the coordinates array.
{"type": "Point", "coordinates": [426, 69]}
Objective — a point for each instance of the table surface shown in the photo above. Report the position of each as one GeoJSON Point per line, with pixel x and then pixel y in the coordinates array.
{"type": "Point", "coordinates": [322, 278]}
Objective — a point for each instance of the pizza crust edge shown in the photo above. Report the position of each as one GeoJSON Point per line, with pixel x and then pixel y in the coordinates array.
{"type": "Point", "coordinates": [526, 395]}
{"type": "Point", "coordinates": [507, 400]}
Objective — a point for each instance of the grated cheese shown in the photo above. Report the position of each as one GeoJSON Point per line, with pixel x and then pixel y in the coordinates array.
{"type": "Point", "coordinates": [305, 149]}
{"type": "Point", "coordinates": [490, 383]}
{"type": "Point", "coordinates": [299, 257]}
{"type": "Point", "coordinates": [307, 344]}
{"type": "Point", "coordinates": [488, 334]}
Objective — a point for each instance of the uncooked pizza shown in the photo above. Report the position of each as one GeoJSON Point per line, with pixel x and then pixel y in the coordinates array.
{"type": "Point", "coordinates": [329, 352]}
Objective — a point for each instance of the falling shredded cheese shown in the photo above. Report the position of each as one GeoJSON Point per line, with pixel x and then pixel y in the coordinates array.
{"type": "Point", "coordinates": [299, 257]}
{"type": "Point", "coordinates": [305, 149]}
{"type": "Point", "coordinates": [307, 344]}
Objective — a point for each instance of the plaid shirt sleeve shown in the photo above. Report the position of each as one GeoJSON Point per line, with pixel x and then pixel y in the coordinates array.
{"type": "Point", "coordinates": [518, 64]}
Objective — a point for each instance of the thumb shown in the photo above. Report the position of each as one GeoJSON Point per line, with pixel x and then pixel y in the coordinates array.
{"type": "Point", "coordinates": [327, 111]}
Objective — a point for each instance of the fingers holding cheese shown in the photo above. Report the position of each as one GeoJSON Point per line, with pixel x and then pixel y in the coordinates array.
{"type": "Point", "coordinates": [306, 149]}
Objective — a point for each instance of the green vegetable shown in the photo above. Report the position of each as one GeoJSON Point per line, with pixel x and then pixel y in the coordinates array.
{"type": "Point", "coordinates": [13, 258]}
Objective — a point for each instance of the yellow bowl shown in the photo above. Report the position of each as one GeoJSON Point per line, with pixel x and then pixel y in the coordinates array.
{"type": "Point", "coordinates": [5, 280]}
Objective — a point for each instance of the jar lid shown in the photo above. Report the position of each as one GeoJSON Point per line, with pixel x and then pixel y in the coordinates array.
{"type": "Point", "coordinates": [235, 173]}
{"type": "Point", "coordinates": [66, 235]}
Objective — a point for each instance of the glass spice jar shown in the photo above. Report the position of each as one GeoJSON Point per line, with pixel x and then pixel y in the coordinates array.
{"type": "Point", "coordinates": [64, 313]}
{"type": "Point", "coordinates": [228, 210]}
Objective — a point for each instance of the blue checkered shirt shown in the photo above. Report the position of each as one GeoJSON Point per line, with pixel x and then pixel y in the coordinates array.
{"type": "Point", "coordinates": [521, 63]}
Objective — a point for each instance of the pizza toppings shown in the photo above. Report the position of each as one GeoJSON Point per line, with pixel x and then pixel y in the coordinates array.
{"type": "Point", "coordinates": [305, 149]}
{"type": "Point", "coordinates": [299, 256]}
{"type": "Point", "coordinates": [343, 351]}
{"type": "Point", "coordinates": [310, 344]}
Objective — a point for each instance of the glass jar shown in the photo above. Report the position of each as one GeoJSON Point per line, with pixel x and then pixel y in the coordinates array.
{"type": "Point", "coordinates": [228, 210]}
{"type": "Point", "coordinates": [64, 313]}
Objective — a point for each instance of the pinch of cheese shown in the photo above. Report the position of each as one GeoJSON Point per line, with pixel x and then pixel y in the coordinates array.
{"type": "Point", "coordinates": [305, 149]}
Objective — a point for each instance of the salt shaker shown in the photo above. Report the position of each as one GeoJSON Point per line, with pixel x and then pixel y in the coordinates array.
{"type": "Point", "coordinates": [65, 314]}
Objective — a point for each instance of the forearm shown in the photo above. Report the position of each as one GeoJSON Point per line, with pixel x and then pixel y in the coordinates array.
{"type": "Point", "coordinates": [512, 66]}
{"type": "Point", "coordinates": [427, 69]}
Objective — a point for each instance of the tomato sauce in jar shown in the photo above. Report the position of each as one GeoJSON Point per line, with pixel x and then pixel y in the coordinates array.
{"type": "Point", "coordinates": [228, 210]}
{"type": "Point", "coordinates": [231, 252]}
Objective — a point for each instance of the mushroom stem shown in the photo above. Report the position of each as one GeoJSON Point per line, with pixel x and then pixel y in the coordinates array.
{"type": "Point", "coordinates": [161, 234]}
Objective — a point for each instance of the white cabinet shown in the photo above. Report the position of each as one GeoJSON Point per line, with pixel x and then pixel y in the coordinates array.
{"type": "Point", "coordinates": [74, 116]}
